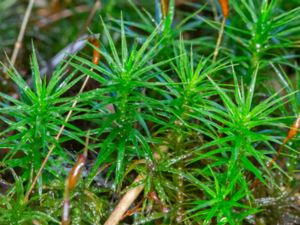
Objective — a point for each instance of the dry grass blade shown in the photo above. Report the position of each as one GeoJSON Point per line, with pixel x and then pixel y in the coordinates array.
{"type": "Point", "coordinates": [225, 11]}
{"type": "Point", "coordinates": [220, 36]}
{"type": "Point", "coordinates": [124, 204]}
{"type": "Point", "coordinates": [62, 15]}
{"type": "Point", "coordinates": [22, 32]}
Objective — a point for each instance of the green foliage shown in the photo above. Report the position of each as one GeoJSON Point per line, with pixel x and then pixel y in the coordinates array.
{"type": "Point", "coordinates": [15, 211]}
{"type": "Point", "coordinates": [35, 119]}
{"type": "Point", "coordinates": [263, 33]}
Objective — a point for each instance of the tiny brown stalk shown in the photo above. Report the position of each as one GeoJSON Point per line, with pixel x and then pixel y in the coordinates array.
{"type": "Point", "coordinates": [71, 182]}
{"type": "Point", "coordinates": [165, 7]}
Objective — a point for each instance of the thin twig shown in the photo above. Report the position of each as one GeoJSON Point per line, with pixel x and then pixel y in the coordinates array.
{"type": "Point", "coordinates": [18, 43]}
{"type": "Point", "coordinates": [216, 52]}
{"type": "Point", "coordinates": [95, 7]}
{"type": "Point", "coordinates": [214, 9]}
{"type": "Point", "coordinates": [118, 214]}
{"type": "Point", "coordinates": [62, 15]}
{"type": "Point", "coordinates": [124, 204]}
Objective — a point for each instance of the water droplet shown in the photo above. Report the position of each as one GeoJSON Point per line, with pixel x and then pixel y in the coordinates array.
{"type": "Point", "coordinates": [249, 26]}
{"type": "Point", "coordinates": [258, 47]}
{"type": "Point", "coordinates": [62, 84]}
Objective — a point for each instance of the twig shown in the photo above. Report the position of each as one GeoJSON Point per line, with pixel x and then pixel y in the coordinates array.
{"type": "Point", "coordinates": [75, 45]}
{"type": "Point", "coordinates": [216, 52]}
{"type": "Point", "coordinates": [18, 43]}
{"type": "Point", "coordinates": [118, 214]}
{"type": "Point", "coordinates": [96, 6]}
{"type": "Point", "coordinates": [62, 15]}
{"type": "Point", "coordinates": [225, 11]}
{"type": "Point", "coordinates": [124, 204]}
{"type": "Point", "coordinates": [214, 9]}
